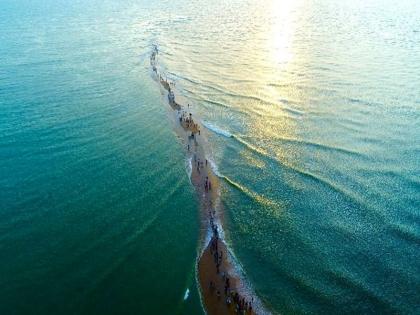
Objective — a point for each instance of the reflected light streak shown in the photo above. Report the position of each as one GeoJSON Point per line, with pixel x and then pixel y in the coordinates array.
{"type": "Point", "coordinates": [282, 28]}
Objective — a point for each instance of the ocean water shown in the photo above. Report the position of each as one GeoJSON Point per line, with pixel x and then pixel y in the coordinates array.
{"type": "Point", "coordinates": [97, 215]}
{"type": "Point", "coordinates": [312, 116]}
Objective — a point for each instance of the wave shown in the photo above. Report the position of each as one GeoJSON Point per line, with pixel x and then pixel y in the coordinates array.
{"type": "Point", "coordinates": [188, 167]}
{"type": "Point", "coordinates": [189, 79]}
{"type": "Point", "coordinates": [304, 173]}
{"type": "Point", "coordinates": [246, 289]}
{"type": "Point", "coordinates": [251, 194]}
{"type": "Point", "coordinates": [214, 167]}
{"type": "Point", "coordinates": [405, 233]}
{"type": "Point", "coordinates": [217, 130]}
{"type": "Point", "coordinates": [315, 145]}
{"type": "Point", "coordinates": [220, 104]}
{"type": "Point", "coordinates": [187, 293]}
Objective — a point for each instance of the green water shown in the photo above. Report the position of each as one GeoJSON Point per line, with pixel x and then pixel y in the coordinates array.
{"type": "Point", "coordinates": [97, 214]}
{"type": "Point", "coordinates": [312, 110]}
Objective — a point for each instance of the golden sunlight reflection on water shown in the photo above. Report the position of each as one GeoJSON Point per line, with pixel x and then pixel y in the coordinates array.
{"type": "Point", "coordinates": [282, 27]}
{"type": "Point", "coordinates": [274, 120]}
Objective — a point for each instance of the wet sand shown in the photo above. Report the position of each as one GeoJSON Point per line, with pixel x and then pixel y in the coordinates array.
{"type": "Point", "coordinates": [219, 295]}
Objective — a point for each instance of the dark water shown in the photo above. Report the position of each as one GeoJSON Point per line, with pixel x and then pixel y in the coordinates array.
{"type": "Point", "coordinates": [313, 116]}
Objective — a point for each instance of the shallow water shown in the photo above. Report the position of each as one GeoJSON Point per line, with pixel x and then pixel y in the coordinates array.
{"type": "Point", "coordinates": [313, 119]}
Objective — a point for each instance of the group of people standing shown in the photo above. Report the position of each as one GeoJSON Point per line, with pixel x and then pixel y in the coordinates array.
{"type": "Point", "coordinates": [232, 299]}
{"type": "Point", "coordinates": [207, 184]}
{"type": "Point", "coordinates": [188, 123]}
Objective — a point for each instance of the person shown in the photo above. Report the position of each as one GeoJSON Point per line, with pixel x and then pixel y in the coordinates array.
{"type": "Point", "coordinates": [188, 147]}
{"type": "Point", "coordinates": [211, 286]}
{"type": "Point", "coordinates": [228, 301]}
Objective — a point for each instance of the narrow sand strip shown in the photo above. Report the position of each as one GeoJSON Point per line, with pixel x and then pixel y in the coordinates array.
{"type": "Point", "coordinates": [222, 289]}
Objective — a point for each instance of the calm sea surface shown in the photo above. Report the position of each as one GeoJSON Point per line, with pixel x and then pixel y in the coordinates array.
{"type": "Point", "coordinates": [312, 115]}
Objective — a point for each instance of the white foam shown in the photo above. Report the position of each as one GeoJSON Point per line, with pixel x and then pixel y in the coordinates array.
{"type": "Point", "coordinates": [214, 167]}
{"type": "Point", "coordinates": [187, 293]}
{"type": "Point", "coordinates": [189, 167]}
{"type": "Point", "coordinates": [217, 130]}
{"type": "Point", "coordinates": [245, 287]}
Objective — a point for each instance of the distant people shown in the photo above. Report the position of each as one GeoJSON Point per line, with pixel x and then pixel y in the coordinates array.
{"type": "Point", "coordinates": [228, 301]}
{"type": "Point", "coordinates": [211, 286]}
{"type": "Point", "coordinates": [191, 128]}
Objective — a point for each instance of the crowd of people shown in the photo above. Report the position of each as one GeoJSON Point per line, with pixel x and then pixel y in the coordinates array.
{"type": "Point", "coordinates": [188, 123]}
{"type": "Point", "coordinates": [233, 300]}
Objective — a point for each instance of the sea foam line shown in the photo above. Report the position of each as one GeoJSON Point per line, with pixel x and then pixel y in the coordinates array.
{"type": "Point", "coordinates": [187, 293]}
{"type": "Point", "coordinates": [214, 167]}
{"type": "Point", "coordinates": [216, 129]}
{"type": "Point", "coordinates": [188, 167]}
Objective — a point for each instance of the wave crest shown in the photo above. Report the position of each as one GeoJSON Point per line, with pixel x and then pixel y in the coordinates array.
{"type": "Point", "coordinates": [217, 130]}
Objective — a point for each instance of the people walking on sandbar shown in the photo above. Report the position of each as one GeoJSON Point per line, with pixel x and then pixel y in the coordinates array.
{"type": "Point", "coordinates": [220, 285]}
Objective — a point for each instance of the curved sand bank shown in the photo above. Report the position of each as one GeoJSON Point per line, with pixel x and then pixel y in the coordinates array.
{"type": "Point", "coordinates": [223, 290]}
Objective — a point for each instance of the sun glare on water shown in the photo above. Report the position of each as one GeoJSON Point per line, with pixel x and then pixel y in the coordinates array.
{"type": "Point", "coordinates": [282, 29]}
{"type": "Point", "coordinates": [273, 88]}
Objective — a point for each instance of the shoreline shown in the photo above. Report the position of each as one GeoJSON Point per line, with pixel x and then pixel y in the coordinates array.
{"type": "Point", "coordinates": [222, 289]}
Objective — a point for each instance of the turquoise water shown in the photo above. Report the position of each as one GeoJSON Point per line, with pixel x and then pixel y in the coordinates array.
{"type": "Point", "coordinates": [97, 213]}
{"type": "Point", "coordinates": [313, 115]}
